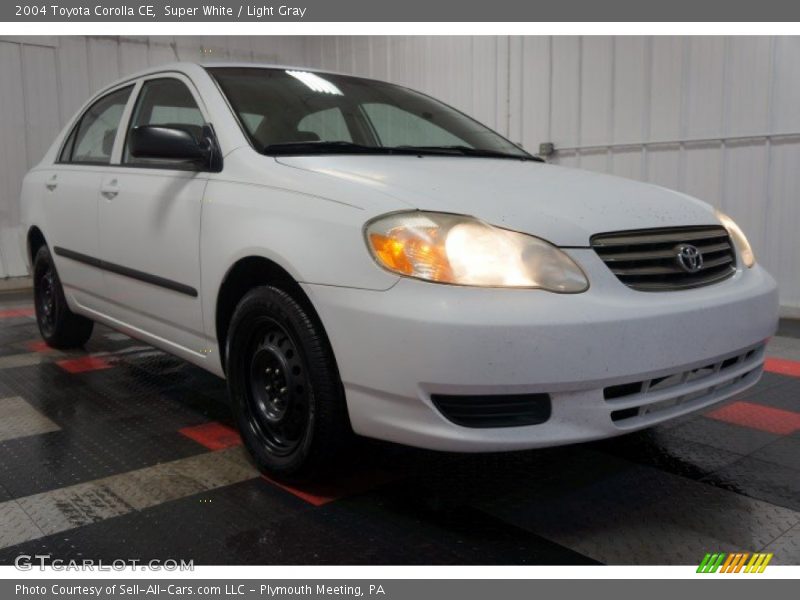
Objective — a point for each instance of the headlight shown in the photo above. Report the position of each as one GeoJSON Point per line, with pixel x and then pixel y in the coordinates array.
{"type": "Point", "coordinates": [462, 250]}
{"type": "Point", "coordinates": [739, 238]}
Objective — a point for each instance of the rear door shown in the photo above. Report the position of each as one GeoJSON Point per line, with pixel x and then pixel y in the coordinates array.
{"type": "Point", "coordinates": [149, 223]}
{"type": "Point", "coordinates": [71, 195]}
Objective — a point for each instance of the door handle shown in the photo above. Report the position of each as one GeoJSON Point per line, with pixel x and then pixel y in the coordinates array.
{"type": "Point", "coordinates": [109, 190]}
{"type": "Point", "coordinates": [52, 183]}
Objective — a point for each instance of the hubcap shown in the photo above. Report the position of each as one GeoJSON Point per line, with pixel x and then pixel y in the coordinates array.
{"type": "Point", "coordinates": [278, 391]}
{"type": "Point", "coordinates": [270, 370]}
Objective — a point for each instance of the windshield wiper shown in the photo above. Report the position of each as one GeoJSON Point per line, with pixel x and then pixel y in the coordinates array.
{"type": "Point", "coordinates": [340, 147]}
{"type": "Point", "coordinates": [468, 151]}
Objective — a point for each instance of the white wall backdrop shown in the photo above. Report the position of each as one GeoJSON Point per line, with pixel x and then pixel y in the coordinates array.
{"type": "Point", "coordinates": [716, 117]}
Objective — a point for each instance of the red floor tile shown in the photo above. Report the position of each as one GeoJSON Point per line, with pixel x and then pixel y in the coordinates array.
{"type": "Point", "coordinates": [782, 366]}
{"type": "Point", "coordinates": [320, 493]}
{"type": "Point", "coordinates": [39, 346]}
{"type": "Point", "coordinates": [757, 416]}
{"type": "Point", "coordinates": [81, 365]}
{"type": "Point", "coordinates": [13, 313]}
{"type": "Point", "coordinates": [214, 436]}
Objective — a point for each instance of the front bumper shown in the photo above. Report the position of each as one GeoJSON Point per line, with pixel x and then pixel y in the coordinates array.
{"type": "Point", "coordinates": [395, 349]}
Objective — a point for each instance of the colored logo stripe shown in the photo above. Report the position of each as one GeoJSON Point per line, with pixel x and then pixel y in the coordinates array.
{"type": "Point", "coordinates": [758, 563]}
{"type": "Point", "coordinates": [727, 564]}
{"type": "Point", "coordinates": [741, 562]}
{"type": "Point", "coordinates": [711, 563]}
{"type": "Point", "coordinates": [733, 563]}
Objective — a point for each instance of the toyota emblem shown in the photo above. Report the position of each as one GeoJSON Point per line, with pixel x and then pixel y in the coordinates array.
{"type": "Point", "coordinates": [689, 258]}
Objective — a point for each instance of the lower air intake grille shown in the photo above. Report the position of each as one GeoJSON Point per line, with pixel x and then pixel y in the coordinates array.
{"type": "Point", "coordinates": [640, 403]}
{"type": "Point", "coordinates": [673, 258]}
{"type": "Point", "coordinates": [494, 411]}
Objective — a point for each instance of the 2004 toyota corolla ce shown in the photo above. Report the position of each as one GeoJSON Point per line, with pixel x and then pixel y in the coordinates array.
{"type": "Point", "coordinates": [355, 256]}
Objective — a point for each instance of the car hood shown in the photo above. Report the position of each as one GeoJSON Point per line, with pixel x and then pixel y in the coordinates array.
{"type": "Point", "coordinates": [563, 206]}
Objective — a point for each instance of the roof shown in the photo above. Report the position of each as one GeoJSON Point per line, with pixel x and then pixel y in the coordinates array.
{"type": "Point", "coordinates": [187, 67]}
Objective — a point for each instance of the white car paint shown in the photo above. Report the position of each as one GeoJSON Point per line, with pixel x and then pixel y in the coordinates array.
{"type": "Point", "coordinates": [563, 206]}
{"type": "Point", "coordinates": [397, 340]}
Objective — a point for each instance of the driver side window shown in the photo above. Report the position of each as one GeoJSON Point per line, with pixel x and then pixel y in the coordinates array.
{"type": "Point", "coordinates": [165, 102]}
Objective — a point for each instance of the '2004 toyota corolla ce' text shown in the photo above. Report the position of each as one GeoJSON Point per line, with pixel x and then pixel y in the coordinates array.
{"type": "Point", "coordinates": [355, 256]}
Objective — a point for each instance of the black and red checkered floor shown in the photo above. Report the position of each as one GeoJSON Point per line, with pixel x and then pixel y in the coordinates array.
{"type": "Point", "coordinates": [120, 451]}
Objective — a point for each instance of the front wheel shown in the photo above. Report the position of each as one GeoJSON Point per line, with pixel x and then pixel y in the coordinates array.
{"type": "Point", "coordinates": [59, 326]}
{"type": "Point", "coordinates": [284, 385]}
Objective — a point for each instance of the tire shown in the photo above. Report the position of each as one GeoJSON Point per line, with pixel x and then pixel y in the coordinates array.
{"type": "Point", "coordinates": [59, 326]}
{"type": "Point", "coordinates": [284, 385]}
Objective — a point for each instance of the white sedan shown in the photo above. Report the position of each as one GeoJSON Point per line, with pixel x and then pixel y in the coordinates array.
{"type": "Point", "coordinates": [355, 256]}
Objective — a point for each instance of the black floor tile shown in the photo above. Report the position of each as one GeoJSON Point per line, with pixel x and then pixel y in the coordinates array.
{"type": "Point", "coordinates": [15, 338]}
{"type": "Point", "coordinates": [661, 449]}
{"type": "Point", "coordinates": [789, 328]}
{"type": "Point", "coordinates": [401, 525]}
{"type": "Point", "coordinates": [6, 390]}
{"type": "Point", "coordinates": [784, 452]}
{"type": "Point", "coordinates": [63, 458]}
{"type": "Point", "coordinates": [725, 436]}
{"type": "Point", "coordinates": [763, 480]}
{"type": "Point", "coordinates": [783, 394]}
{"type": "Point", "coordinates": [101, 433]}
{"type": "Point", "coordinates": [42, 381]}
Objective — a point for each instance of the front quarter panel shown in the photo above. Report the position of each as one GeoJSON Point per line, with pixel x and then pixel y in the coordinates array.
{"type": "Point", "coordinates": [314, 239]}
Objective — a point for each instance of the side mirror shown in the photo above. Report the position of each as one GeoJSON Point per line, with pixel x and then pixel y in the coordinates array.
{"type": "Point", "coordinates": [170, 142]}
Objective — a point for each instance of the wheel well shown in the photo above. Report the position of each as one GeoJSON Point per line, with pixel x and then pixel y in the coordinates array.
{"type": "Point", "coordinates": [35, 241]}
{"type": "Point", "coordinates": [242, 277]}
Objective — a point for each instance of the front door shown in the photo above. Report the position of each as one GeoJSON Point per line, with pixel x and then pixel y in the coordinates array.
{"type": "Point", "coordinates": [149, 225]}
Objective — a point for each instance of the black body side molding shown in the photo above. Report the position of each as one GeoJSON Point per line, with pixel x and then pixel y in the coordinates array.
{"type": "Point", "coordinates": [127, 272]}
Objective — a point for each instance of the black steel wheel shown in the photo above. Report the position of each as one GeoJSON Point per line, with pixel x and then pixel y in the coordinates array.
{"type": "Point", "coordinates": [284, 384]}
{"type": "Point", "coordinates": [58, 325]}
{"type": "Point", "coordinates": [279, 387]}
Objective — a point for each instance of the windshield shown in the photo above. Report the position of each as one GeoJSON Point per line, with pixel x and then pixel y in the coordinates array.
{"type": "Point", "coordinates": [299, 112]}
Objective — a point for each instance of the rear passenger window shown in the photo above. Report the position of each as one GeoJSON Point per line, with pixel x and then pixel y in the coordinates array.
{"type": "Point", "coordinates": [92, 139]}
{"type": "Point", "coordinates": [165, 102]}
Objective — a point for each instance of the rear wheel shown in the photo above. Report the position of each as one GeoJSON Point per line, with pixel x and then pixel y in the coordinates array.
{"type": "Point", "coordinates": [58, 325]}
{"type": "Point", "coordinates": [284, 385]}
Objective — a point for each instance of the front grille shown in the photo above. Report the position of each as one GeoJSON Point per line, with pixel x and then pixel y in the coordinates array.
{"type": "Point", "coordinates": [647, 259]}
{"type": "Point", "coordinates": [640, 403]}
{"type": "Point", "coordinates": [510, 410]}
